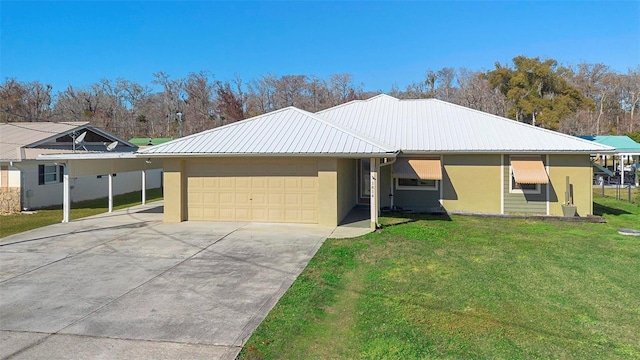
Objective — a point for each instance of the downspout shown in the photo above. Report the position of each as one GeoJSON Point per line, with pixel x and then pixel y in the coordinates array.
{"type": "Point", "coordinates": [386, 163]}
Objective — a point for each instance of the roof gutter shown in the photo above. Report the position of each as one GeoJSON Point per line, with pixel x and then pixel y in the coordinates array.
{"type": "Point", "coordinates": [223, 155]}
{"type": "Point", "coordinates": [537, 152]}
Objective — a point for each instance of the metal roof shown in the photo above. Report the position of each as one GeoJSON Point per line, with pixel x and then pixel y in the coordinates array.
{"type": "Point", "coordinates": [289, 131]}
{"type": "Point", "coordinates": [622, 144]}
{"type": "Point", "coordinates": [430, 125]}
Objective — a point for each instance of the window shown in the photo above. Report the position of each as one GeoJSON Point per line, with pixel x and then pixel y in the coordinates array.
{"type": "Point", "coordinates": [365, 173]}
{"type": "Point", "coordinates": [416, 184]}
{"type": "Point", "coordinates": [50, 174]}
{"type": "Point", "coordinates": [526, 173]}
{"type": "Point", "coordinates": [515, 187]}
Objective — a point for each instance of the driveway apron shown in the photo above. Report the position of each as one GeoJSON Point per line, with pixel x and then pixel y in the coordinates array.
{"type": "Point", "coordinates": [125, 285]}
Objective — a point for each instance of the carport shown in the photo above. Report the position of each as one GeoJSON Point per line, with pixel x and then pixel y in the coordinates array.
{"type": "Point", "coordinates": [99, 164]}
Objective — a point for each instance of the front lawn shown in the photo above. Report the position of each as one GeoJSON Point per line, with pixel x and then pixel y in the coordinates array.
{"type": "Point", "coordinates": [17, 223]}
{"type": "Point", "coordinates": [466, 287]}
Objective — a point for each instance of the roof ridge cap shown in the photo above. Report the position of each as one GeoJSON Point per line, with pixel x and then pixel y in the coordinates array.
{"type": "Point", "coordinates": [359, 136]}
{"type": "Point", "coordinates": [381, 95]}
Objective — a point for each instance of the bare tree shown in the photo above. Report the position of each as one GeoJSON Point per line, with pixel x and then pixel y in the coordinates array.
{"type": "Point", "coordinates": [445, 78]}
{"type": "Point", "coordinates": [261, 95]}
{"type": "Point", "coordinates": [173, 99]}
{"type": "Point", "coordinates": [230, 105]}
{"type": "Point", "coordinates": [200, 106]}
{"type": "Point", "coordinates": [30, 101]}
{"type": "Point", "coordinates": [630, 97]}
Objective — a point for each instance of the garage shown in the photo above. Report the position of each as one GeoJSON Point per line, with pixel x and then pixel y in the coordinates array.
{"type": "Point", "coordinates": [259, 189]}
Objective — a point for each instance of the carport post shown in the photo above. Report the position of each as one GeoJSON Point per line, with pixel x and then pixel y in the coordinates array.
{"type": "Point", "coordinates": [144, 187]}
{"type": "Point", "coordinates": [621, 169]}
{"type": "Point", "coordinates": [110, 192]}
{"type": "Point", "coordinates": [66, 195]}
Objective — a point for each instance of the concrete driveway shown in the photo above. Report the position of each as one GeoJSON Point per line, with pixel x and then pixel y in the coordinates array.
{"type": "Point", "coordinates": [125, 285]}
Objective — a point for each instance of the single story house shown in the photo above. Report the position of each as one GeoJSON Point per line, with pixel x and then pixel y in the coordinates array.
{"type": "Point", "coordinates": [418, 155]}
{"type": "Point", "coordinates": [29, 181]}
{"type": "Point", "coordinates": [626, 159]}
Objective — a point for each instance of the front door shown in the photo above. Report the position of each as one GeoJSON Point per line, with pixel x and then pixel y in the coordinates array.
{"type": "Point", "coordinates": [364, 181]}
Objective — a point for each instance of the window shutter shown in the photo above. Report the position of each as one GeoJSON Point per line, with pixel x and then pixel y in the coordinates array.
{"type": "Point", "coordinates": [40, 174]}
{"type": "Point", "coordinates": [60, 172]}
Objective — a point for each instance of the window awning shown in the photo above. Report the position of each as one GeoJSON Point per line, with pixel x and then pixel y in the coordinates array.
{"type": "Point", "coordinates": [529, 170]}
{"type": "Point", "coordinates": [422, 169]}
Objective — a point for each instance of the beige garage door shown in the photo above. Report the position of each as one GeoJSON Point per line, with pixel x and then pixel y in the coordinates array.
{"type": "Point", "coordinates": [263, 190]}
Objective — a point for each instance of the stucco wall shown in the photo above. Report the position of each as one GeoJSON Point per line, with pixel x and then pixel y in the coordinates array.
{"type": "Point", "coordinates": [580, 172]}
{"type": "Point", "coordinates": [347, 183]}
{"type": "Point", "coordinates": [174, 191]}
{"type": "Point", "coordinates": [472, 183]}
{"type": "Point", "coordinates": [328, 192]}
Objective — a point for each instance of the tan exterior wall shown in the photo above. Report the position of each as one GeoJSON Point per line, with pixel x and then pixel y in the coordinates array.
{"type": "Point", "coordinates": [328, 192]}
{"type": "Point", "coordinates": [472, 183]}
{"type": "Point", "coordinates": [580, 172]}
{"type": "Point", "coordinates": [174, 191]}
{"type": "Point", "coordinates": [335, 193]}
{"type": "Point", "coordinates": [347, 187]}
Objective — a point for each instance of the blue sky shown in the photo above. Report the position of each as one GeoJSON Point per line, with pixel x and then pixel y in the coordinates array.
{"type": "Point", "coordinates": [380, 43]}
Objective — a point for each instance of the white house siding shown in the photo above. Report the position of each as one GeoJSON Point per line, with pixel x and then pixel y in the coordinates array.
{"type": "Point", "coordinates": [82, 188]}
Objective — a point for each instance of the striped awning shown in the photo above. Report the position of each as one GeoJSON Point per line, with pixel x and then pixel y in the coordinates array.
{"type": "Point", "coordinates": [529, 170]}
{"type": "Point", "coordinates": [422, 169]}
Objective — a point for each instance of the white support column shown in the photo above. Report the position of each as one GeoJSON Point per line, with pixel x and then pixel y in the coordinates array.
{"type": "Point", "coordinates": [66, 195]}
{"type": "Point", "coordinates": [144, 187]}
{"type": "Point", "coordinates": [374, 197]}
{"type": "Point", "coordinates": [110, 192]}
{"type": "Point", "coordinates": [621, 170]}
{"type": "Point", "coordinates": [548, 186]}
{"type": "Point", "coordinates": [637, 163]}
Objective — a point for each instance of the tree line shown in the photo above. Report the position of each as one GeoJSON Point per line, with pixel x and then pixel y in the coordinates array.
{"type": "Point", "coordinates": [587, 99]}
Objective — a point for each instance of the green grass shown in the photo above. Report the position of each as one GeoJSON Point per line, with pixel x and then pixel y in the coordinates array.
{"type": "Point", "coordinates": [16, 223]}
{"type": "Point", "coordinates": [624, 194]}
{"type": "Point", "coordinates": [466, 287]}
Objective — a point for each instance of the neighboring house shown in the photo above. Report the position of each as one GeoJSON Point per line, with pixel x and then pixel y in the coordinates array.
{"type": "Point", "coordinates": [418, 155]}
{"type": "Point", "coordinates": [627, 152]}
{"type": "Point", "coordinates": [29, 183]}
